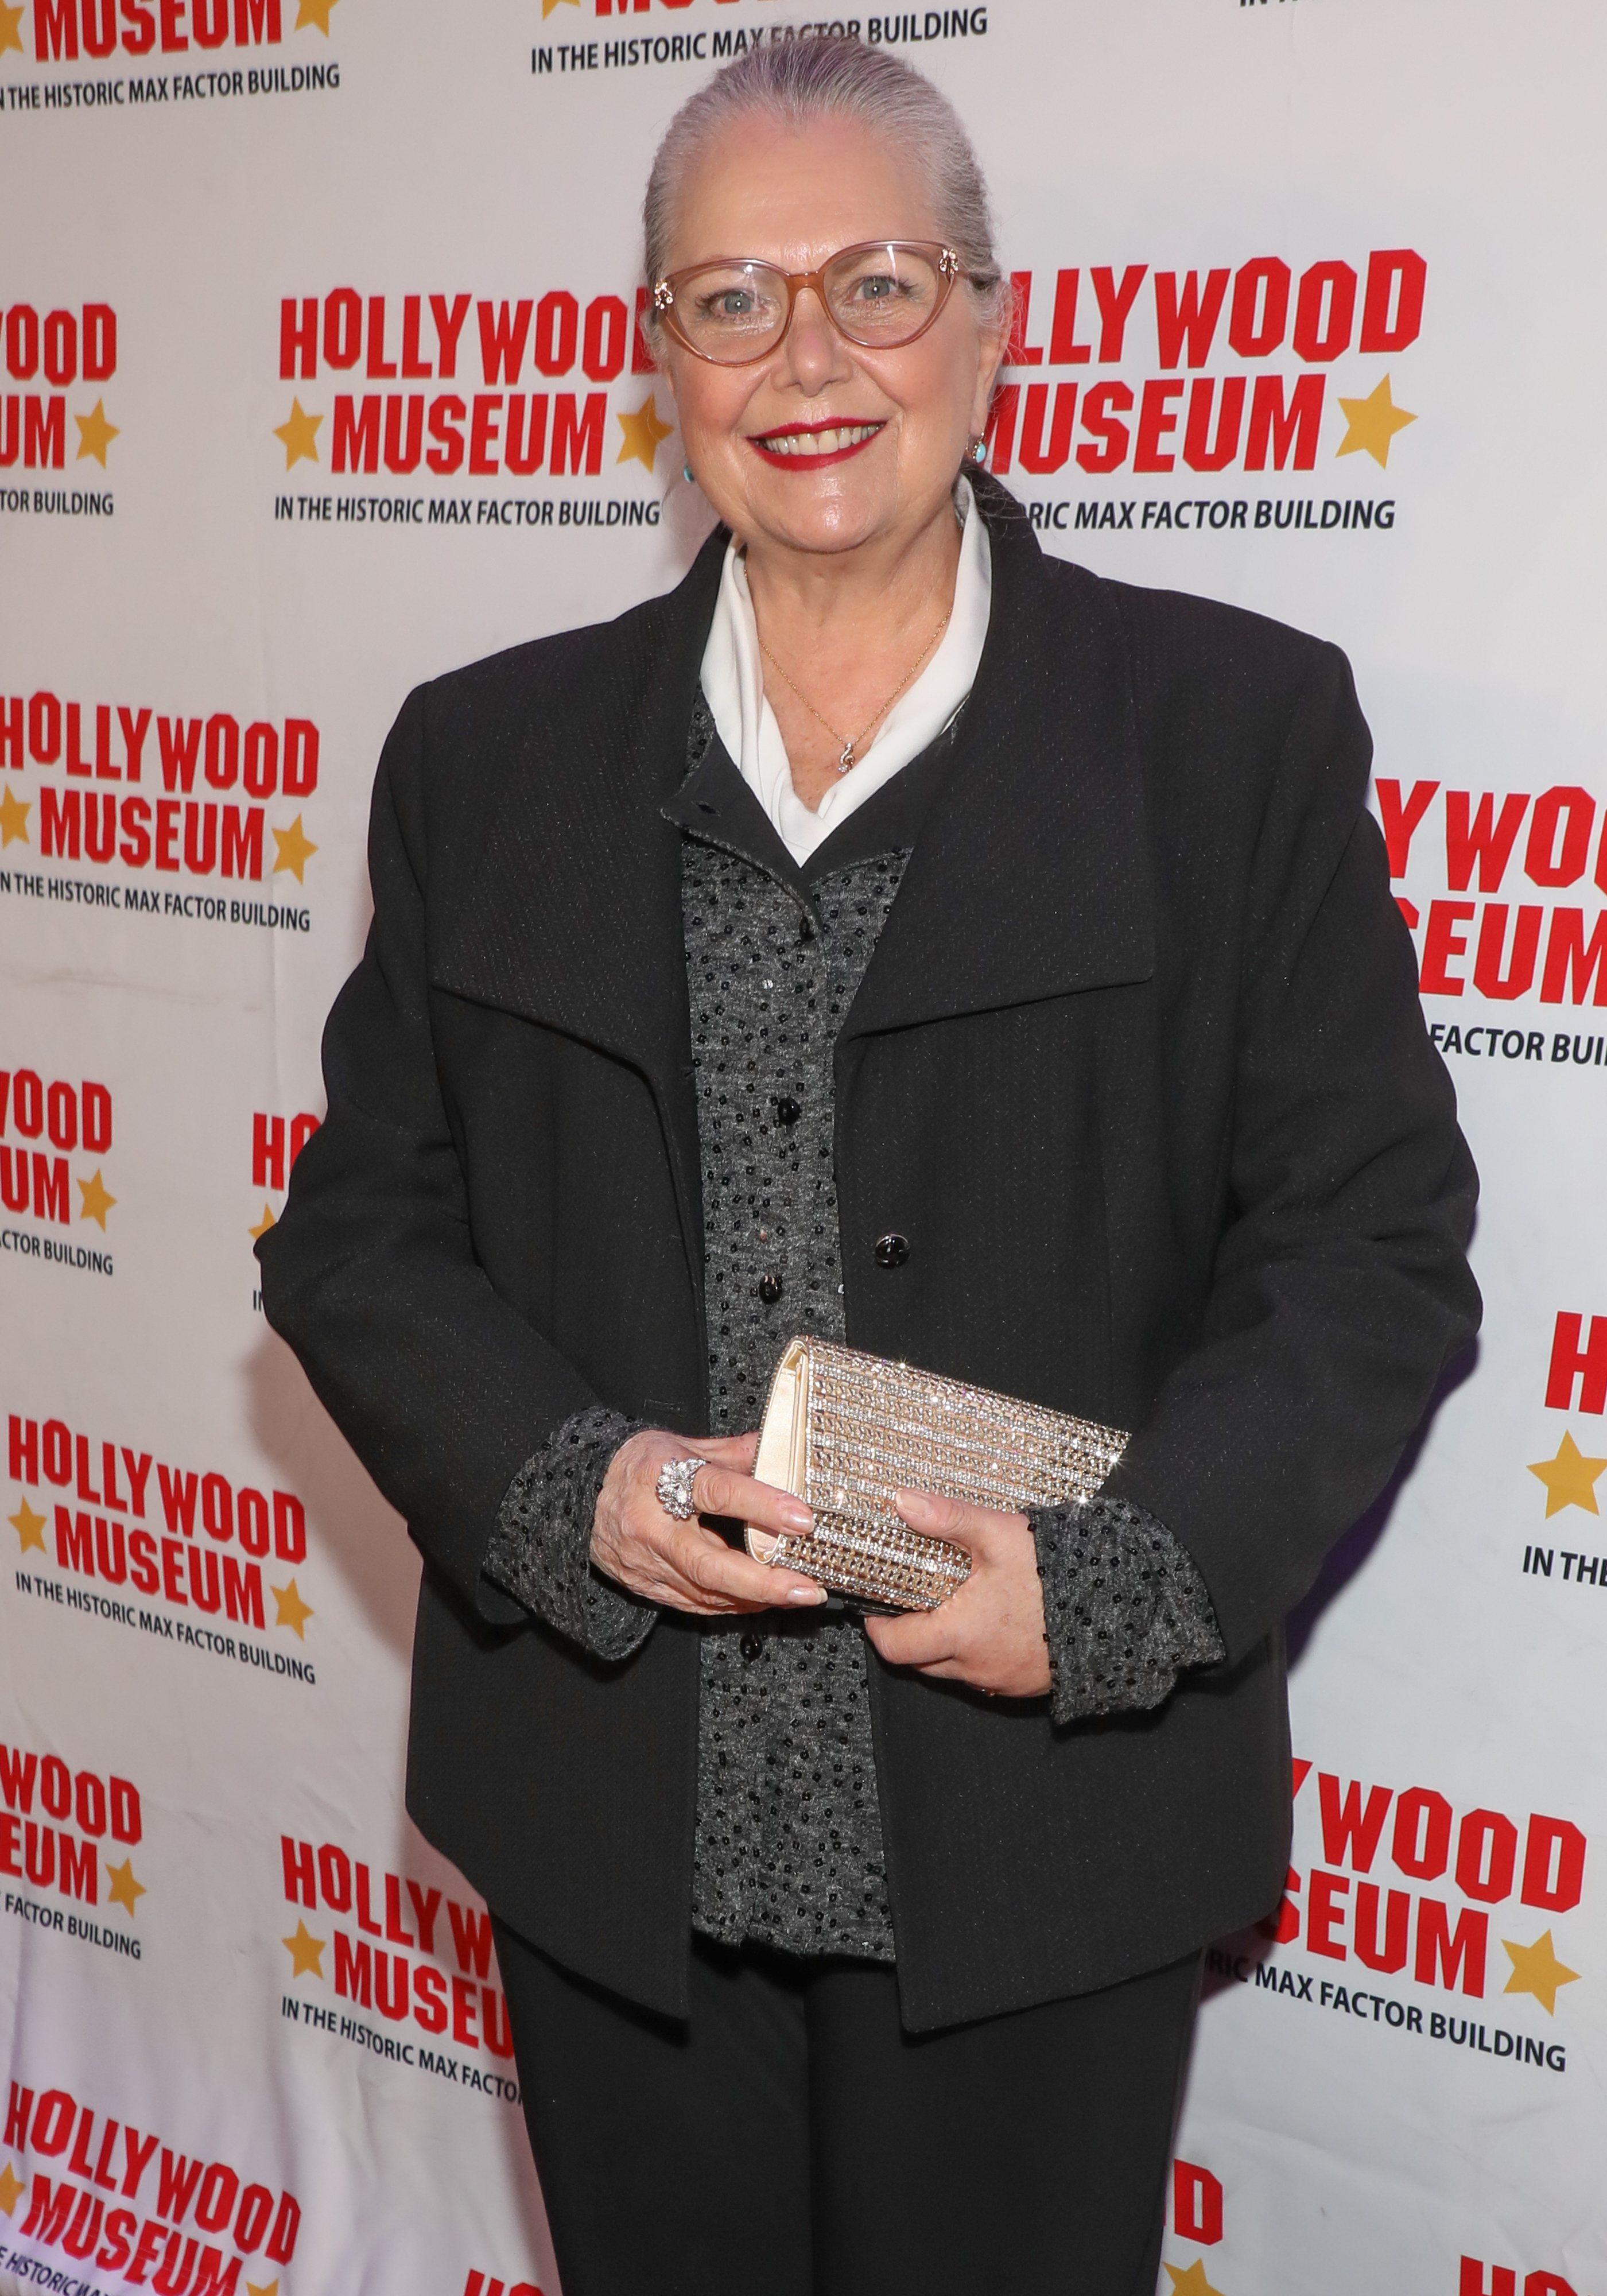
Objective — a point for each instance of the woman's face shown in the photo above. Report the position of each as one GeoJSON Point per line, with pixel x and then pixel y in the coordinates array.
{"type": "Point", "coordinates": [794, 197]}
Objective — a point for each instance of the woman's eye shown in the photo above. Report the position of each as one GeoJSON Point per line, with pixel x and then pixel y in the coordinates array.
{"type": "Point", "coordinates": [730, 305]}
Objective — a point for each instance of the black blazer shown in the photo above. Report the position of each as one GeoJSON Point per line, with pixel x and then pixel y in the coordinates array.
{"type": "Point", "coordinates": [1138, 1067]}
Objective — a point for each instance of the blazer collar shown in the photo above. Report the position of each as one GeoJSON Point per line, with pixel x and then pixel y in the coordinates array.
{"type": "Point", "coordinates": [1030, 878]}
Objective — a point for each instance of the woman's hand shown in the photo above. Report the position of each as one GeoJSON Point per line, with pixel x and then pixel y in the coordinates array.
{"type": "Point", "coordinates": [685, 1565]}
{"type": "Point", "coordinates": [991, 1633]}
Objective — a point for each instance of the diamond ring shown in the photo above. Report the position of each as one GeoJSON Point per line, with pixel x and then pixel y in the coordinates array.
{"type": "Point", "coordinates": [676, 1479]}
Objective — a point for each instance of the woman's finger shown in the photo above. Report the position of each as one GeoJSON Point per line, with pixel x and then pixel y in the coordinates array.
{"type": "Point", "coordinates": [914, 1637]}
{"type": "Point", "coordinates": [936, 1517]}
{"type": "Point", "coordinates": [709, 1567]}
{"type": "Point", "coordinates": [699, 1567]}
{"type": "Point", "coordinates": [721, 1490]}
{"type": "Point", "coordinates": [735, 1451]}
{"type": "Point", "coordinates": [657, 1581]}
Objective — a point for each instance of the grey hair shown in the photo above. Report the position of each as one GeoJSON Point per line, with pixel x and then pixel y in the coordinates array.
{"type": "Point", "coordinates": [800, 81]}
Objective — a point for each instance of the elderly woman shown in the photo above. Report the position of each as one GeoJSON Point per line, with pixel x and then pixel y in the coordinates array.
{"type": "Point", "coordinates": [890, 935]}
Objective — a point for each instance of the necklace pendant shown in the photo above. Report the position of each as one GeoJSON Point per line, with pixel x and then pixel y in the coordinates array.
{"type": "Point", "coordinates": [847, 759]}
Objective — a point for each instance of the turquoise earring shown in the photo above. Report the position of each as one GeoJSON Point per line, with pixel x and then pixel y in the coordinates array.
{"type": "Point", "coordinates": [686, 474]}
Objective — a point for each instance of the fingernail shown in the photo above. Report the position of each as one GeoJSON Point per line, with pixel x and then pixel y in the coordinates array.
{"type": "Point", "coordinates": [798, 1517]}
{"type": "Point", "coordinates": [806, 1595]}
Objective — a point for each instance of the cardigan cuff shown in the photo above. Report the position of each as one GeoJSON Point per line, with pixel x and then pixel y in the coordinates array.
{"type": "Point", "coordinates": [1125, 1609]}
{"type": "Point", "coordinates": [540, 1552]}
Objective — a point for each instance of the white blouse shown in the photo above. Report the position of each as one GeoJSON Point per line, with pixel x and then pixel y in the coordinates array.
{"type": "Point", "coordinates": [734, 686]}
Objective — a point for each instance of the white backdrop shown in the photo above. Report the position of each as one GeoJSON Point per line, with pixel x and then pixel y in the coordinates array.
{"type": "Point", "coordinates": [235, 530]}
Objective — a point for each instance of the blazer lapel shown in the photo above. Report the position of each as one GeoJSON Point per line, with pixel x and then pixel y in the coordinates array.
{"type": "Point", "coordinates": [569, 913]}
{"type": "Point", "coordinates": [1030, 878]}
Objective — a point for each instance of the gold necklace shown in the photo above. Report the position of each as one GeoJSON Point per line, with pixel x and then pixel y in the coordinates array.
{"type": "Point", "coordinates": [846, 761]}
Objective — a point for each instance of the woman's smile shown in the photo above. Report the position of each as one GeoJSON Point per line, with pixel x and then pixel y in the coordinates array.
{"type": "Point", "coordinates": [809, 444]}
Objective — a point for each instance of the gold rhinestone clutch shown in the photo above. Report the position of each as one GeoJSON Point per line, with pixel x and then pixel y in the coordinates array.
{"type": "Point", "coordinates": [844, 1431]}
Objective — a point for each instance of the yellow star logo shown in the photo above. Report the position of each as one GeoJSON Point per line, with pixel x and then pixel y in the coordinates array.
{"type": "Point", "coordinates": [97, 1201]}
{"type": "Point", "coordinates": [13, 817]}
{"type": "Point", "coordinates": [642, 432]}
{"type": "Point", "coordinates": [95, 434]}
{"type": "Point", "coordinates": [299, 435]}
{"type": "Point", "coordinates": [292, 1610]}
{"type": "Point", "coordinates": [1570, 1479]}
{"type": "Point", "coordinates": [306, 1952]}
{"type": "Point", "coordinates": [263, 1225]}
{"type": "Point", "coordinates": [1373, 422]}
{"type": "Point", "coordinates": [292, 850]}
{"type": "Point", "coordinates": [10, 36]}
{"type": "Point", "coordinates": [547, 7]}
{"type": "Point", "coordinates": [314, 12]}
{"type": "Point", "coordinates": [12, 2187]}
{"type": "Point", "coordinates": [1192, 2281]}
{"type": "Point", "coordinates": [1536, 1969]}
{"type": "Point", "coordinates": [29, 1527]}
{"type": "Point", "coordinates": [123, 1888]}
{"type": "Point", "coordinates": [268, 2288]}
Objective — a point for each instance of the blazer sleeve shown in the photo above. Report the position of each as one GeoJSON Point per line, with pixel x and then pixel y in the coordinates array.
{"type": "Point", "coordinates": [1340, 1286]}
{"type": "Point", "coordinates": [439, 1386]}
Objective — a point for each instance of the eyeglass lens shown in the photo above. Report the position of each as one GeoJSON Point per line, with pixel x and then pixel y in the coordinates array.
{"type": "Point", "coordinates": [885, 294]}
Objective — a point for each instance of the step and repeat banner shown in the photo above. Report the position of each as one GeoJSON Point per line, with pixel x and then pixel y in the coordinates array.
{"type": "Point", "coordinates": [321, 373]}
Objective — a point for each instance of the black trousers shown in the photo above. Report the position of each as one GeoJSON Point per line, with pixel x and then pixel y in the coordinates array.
{"type": "Point", "coordinates": [791, 2139]}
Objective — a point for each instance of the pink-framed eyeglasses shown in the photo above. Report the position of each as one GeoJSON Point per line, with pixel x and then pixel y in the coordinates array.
{"type": "Point", "coordinates": [880, 294]}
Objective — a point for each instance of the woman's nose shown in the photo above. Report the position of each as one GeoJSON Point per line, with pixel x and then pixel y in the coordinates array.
{"type": "Point", "coordinates": [815, 352]}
